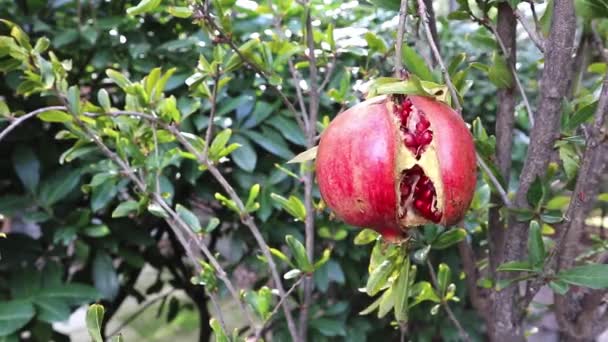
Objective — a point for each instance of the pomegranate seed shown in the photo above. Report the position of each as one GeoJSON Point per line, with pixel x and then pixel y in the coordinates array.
{"type": "Point", "coordinates": [425, 138]}
{"type": "Point", "coordinates": [419, 204]}
{"type": "Point", "coordinates": [428, 194]}
{"type": "Point", "coordinates": [423, 124]}
{"type": "Point", "coordinates": [409, 140]}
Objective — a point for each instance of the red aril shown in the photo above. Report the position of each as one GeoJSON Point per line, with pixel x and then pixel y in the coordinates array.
{"type": "Point", "coordinates": [394, 162]}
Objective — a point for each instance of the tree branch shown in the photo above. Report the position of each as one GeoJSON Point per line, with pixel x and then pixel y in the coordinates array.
{"type": "Point", "coordinates": [554, 87]}
{"type": "Point", "coordinates": [505, 120]}
{"type": "Point", "coordinates": [592, 169]}
{"type": "Point", "coordinates": [21, 119]}
{"type": "Point", "coordinates": [534, 35]}
{"type": "Point", "coordinates": [435, 50]}
{"type": "Point", "coordinates": [309, 223]}
{"type": "Point", "coordinates": [400, 37]}
{"type": "Point", "coordinates": [463, 334]}
{"type": "Point", "coordinates": [279, 304]}
{"type": "Point", "coordinates": [213, 100]}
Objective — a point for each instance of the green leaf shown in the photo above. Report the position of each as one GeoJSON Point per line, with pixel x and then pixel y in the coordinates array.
{"type": "Point", "coordinates": [545, 19]}
{"type": "Point", "coordinates": [449, 238]}
{"type": "Point", "coordinates": [14, 315]}
{"type": "Point", "coordinates": [559, 287]}
{"type": "Point", "coordinates": [58, 186]}
{"type": "Point", "coordinates": [271, 141]}
{"type": "Point", "coordinates": [74, 100]}
{"type": "Point", "coordinates": [277, 253]}
{"type": "Point", "coordinates": [299, 253]}
{"type": "Point", "coordinates": [401, 291]}
{"type": "Point", "coordinates": [51, 310]}
{"type": "Point", "coordinates": [536, 247]}
{"type": "Point", "coordinates": [328, 327]}
{"type": "Point", "coordinates": [104, 100]}
{"type": "Point", "coordinates": [96, 231]}
{"type": "Point", "coordinates": [515, 266]}
{"type": "Point", "coordinates": [73, 293]}
{"type": "Point", "coordinates": [305, 156]}
{"type": "Point", "coordinates": [411, 86]}
{"type": "Point", "coordinates": [118, 78]}
{"type": "Point", "coordinates": [416, 64]}
{"type": "Point", "coordinates": [117, 338]}
{"type": "Point", "coordinates": [366, 236]}
{"type": "Point", "coordinates": [94, 320]}
{"type": "Point", "coordinates": [219, 334]}
{"type": "Point", "coordinates": [375, 43]}
{"type": "Point", "coordinates": [423, 291]}
{"type": "Point", "coordinates": [456, 62]}
{"type": "Point", "coordinates": [27, 167]}
{"type": "Point", "coordinates": [143, 6]}
{"type": "Point", "coordinates": [180, 11]}
{"type": "Point", "coordinates": [324, 259]}
{"type": "Point", "coordinates": [558, 202]}
{"type": "Point", "coordinates": [459, 15]}
{"type": "Point", "coordinates": [581, 116]}
{"type": "Point", "coordinates": [499, 72]}
{"type": "Point", "coordinates": [189, 218]}
{"type": "Point", "coordinates": [42, 44]}
{"type": "Point", "coordinates": [292, 274]}
{"type": "Point", "coordinates": [219, 142]}
{"type": "Point", "coordinates": [55, 116]}
{"type": "Point", "coordinates": [157, 210]}
{"type": "Point", "coordinates": [293, 205]}
{"type": "Point", "coordinates": [536, 193]}
{"type": "Point", "coordinates": [379, 276]}
{"type": "Point", "coordinates": [443, 279]}
{"type": "Point", "coordinates": [125, 208]}
{"type": "Point", "coordinates": [213, 223]}
{"type": "Point", "coordinates": [251, 199]}
{"type": "Point", "coordinates": [594, 276]}
{"type": "Point", "coordinates": [105, 277]}
{"type": "Point", "coordinates": [245, 157]}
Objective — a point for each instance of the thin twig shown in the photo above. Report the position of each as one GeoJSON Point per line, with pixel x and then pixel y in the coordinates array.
{"type": "Point", "coordinates": [175, 218]}
{"type": "Point", "coordinates": [302, 118]}
{"type": "Point", "coordinates": [279, 304]}
{"type": "Point", "coordinates": [245, 218]}
{"type": "Point", "coordinates": [309, 223]}
{"type": "Point", "coordinates": [218, 312]}
{"type": "Point", "coordinates": [463, 334]}
{"type": "Point", "coordinates": [18, 121]}
{"type": "Point", "coordinates": [520, 87]}
{"type": "Point", "coordinates": [400, 37]}
{"type": "Point", "coordinates": [501, 191]}
{"type": "Point", "coordinates": [215, 27]}
{"type": "Point", "coordinates": [535, 18]}
{"type": "Point", "coordinates": [213, 100]}
{"type": "Point", "coordinates": [331, 66]}
{"type": "Point", "coordinates": [534, 35]}
{"type": "Point", "coordinates": [598, 41]}
{"type": "Point", "coordinates": [429, 36]}
{"type": "Point", "coordinates": [141, 310]}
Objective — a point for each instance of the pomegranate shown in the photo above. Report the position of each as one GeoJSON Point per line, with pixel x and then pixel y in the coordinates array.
{"type": "Point", "coordinates": [394, 162]}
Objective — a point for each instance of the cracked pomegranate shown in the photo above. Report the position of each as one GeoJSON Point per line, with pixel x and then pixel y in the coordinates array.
{"type": "Point", "coordinates": [394, 162]}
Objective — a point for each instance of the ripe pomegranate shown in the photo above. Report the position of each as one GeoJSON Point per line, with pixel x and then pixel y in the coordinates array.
{"type": "Point", "coordinates": [394, 162]}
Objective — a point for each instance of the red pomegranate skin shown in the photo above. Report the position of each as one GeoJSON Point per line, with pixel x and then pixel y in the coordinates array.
{"type": "Point", "coordinates": [456, 155]}
{"type": "Point", "coordinates": [355, 166]}
{"type": "Point", "coordinates": [356, 163]}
